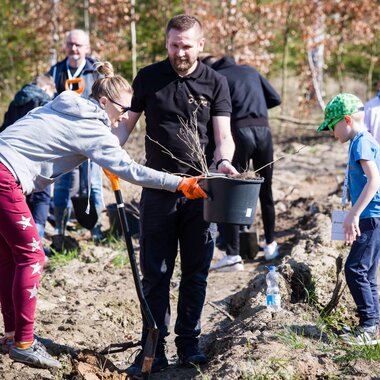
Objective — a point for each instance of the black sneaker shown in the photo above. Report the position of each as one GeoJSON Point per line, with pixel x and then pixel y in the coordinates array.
{"type": "Point", "coordinates": [190, 355]}
{"type": "Point", "coordinates": [159, 363]}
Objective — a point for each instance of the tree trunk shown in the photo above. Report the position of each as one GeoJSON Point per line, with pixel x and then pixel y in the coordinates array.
{"type": "Point", "coordinates": [133, 39]}
{"type": "Point", "coordinates": [371, 68]}
{"type": "Point", "coordinates": [315, 53]}
{"type": "Point", "coordinates": [86, 16]}
{"type": "Point", "coordinates": [285, 54]}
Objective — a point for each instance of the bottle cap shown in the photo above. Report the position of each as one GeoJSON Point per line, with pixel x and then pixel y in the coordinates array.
{"type": "Point", "coordinates": [272, 268]}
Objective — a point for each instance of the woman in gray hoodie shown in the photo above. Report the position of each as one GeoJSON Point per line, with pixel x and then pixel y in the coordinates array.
{"type": "Point", "coordinates": [46, 143]}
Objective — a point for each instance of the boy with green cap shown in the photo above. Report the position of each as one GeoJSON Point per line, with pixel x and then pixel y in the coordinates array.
{"type": "Point", "coordinates": [344, 117]}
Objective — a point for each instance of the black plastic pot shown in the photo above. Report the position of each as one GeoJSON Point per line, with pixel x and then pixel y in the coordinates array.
{"type": "Point", "coordinates": [231, 200]}
{"type": "Point", "coordinates": [133, 220]}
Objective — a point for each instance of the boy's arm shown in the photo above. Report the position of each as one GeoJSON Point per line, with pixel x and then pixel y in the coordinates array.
{"type": "Point", "coordinates": [351, 223]}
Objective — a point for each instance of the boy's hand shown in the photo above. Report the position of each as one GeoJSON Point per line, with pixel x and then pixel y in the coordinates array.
{"type": "Point", "coordinates": [351, 228]}
{"type": "Point", "coordinates": [191, 189]}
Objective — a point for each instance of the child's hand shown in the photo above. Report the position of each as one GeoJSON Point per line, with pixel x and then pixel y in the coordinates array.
{"type": "Point", "coordinates": [351, 228]}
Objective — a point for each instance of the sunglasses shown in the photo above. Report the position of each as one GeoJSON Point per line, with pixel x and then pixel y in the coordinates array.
{"type": "Point", "coordinates": [124, 109]}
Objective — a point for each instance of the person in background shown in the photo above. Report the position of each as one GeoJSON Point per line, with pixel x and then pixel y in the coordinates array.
{"type": "Point", "coordinates": [74, 128]}
{"type": "Point", "coordinates": [35, 94]}
{"type": "Point", "coordinates": [179, 88]}
{"type": "Point", "coordinates": [251, 96]}
{"type": "Point", "coordinates": [372, 114]}
{"type": "Point", "coordinates": [344, 118]}
{"type": "Point", "coordinates": [77, 64]}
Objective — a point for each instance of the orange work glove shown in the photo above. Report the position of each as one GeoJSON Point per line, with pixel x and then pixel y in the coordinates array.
{"type": "Point", "coordinates": [191, 189]}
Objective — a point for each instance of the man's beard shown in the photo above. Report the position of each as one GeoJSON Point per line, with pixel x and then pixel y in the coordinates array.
{"type": "Point", "coordinates": [181, 65]}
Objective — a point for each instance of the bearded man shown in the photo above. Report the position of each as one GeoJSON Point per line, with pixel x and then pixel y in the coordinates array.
{"type": "Point", "coordinates": [179, 90]}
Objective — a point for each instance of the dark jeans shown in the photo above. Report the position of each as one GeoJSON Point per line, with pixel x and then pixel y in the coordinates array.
{"type": "Point", "coordinates": [361, 271]}
{"type": "Point", "coordinates": [166, 220]}
{"type": "Point", "coordinates": [254, 143]}
{"type": "Point", "coordinates": [39, 203]}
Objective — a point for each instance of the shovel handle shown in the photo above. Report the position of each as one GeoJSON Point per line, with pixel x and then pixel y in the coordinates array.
{"type": "Point", "coordinates": [78, 81]}
{"type": "Point", "coordinates": [149, 349]}
{"type": "Point", "coordinates": [114, 179]}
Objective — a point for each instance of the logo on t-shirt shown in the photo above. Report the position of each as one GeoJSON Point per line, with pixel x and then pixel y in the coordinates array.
{"type": "Point", "coordinates": [199, 100]}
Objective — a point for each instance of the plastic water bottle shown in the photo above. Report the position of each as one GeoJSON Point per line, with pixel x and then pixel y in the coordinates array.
{"type": "Point", "coordinates": [273, 290]}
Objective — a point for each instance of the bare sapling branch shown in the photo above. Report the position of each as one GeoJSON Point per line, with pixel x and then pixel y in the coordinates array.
{"type": "Point", "coordinates": [168, 152]}
{"type": "Point", "coordinates": [280, 158]}
{"type": "Point", "coordinates": [188, 134]}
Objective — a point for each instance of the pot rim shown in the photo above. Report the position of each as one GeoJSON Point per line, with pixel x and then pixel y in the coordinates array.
{"type": "Point", "coordinates": [234, 179]}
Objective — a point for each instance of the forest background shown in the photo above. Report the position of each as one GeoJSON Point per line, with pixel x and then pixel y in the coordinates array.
{"type": "Point", "coordinates": [310, 50]}
{"type": "Point", "coordinates": [300, 44]}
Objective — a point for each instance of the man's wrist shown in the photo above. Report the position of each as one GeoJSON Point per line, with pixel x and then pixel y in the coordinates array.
{"type": "Point", "coordinates": [220, 161]}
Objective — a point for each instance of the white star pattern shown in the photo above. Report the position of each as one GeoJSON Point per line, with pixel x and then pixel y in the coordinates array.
{"type": "Point", "coordinates": [33, 292]}
{"type": "Point", "coordinates": [35, 245]}
{"type": "Point", "coordinates": [36, 268]}
{"type": "Point", "coordinates": [25, 222]}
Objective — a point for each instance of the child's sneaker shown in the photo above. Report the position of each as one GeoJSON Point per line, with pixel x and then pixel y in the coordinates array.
{"type": "Point", "coordinates": [36, 355]}
{"type": "Point", "coordinates": [6, 344]}
{"type": "Point", "coordinates": [362, 336]}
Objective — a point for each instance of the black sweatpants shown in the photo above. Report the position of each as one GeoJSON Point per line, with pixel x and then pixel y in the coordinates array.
{"type": "Point", "coordinates": [169, 221]}
{"type": "Point", "coordinates": [254, 143]}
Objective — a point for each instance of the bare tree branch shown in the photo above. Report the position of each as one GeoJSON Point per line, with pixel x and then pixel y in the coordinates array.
{"type": "Point", "coordinates": [168, 152]}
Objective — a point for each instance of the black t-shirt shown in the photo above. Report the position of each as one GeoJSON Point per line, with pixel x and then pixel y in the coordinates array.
{"type": "Point", "coordinates": [166, 98]}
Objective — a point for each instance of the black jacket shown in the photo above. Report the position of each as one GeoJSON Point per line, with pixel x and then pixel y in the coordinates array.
{"type": "Point", "coordinates": [251, 94]}
{"type": "Point", "coordinates": [28, 98]}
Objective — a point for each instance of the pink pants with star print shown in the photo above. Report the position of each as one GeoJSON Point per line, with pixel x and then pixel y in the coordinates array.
{"type": "Point", "coordinates": [21, 259]}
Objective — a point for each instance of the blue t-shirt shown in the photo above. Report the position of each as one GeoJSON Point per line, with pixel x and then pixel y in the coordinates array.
{"type": "Point", "coordinates": [363, 147]}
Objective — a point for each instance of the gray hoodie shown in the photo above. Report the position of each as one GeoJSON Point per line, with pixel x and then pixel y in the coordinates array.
{"type": "Point", "coordinates": [52, 140]}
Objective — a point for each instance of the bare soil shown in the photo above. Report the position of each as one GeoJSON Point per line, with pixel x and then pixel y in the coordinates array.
{"type": "Point", "coordinates": [90, 302]}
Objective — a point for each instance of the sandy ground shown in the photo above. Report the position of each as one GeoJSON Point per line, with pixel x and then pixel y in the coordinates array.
{"type": "Point", "coordinates": [90, 302]}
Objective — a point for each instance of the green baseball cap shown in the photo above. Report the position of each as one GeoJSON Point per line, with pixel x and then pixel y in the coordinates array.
{"type": "Point", "coordinates": [338, 107]}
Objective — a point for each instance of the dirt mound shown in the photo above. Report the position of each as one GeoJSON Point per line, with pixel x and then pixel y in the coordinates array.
{"type": "Point", "coordinates": [88, 302]}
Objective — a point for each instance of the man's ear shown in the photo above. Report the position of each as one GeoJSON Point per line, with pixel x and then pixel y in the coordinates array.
{"type": "Point", "coordinates": [88, 49]}
{"type": "Point", "coordinates": [201, 44]}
